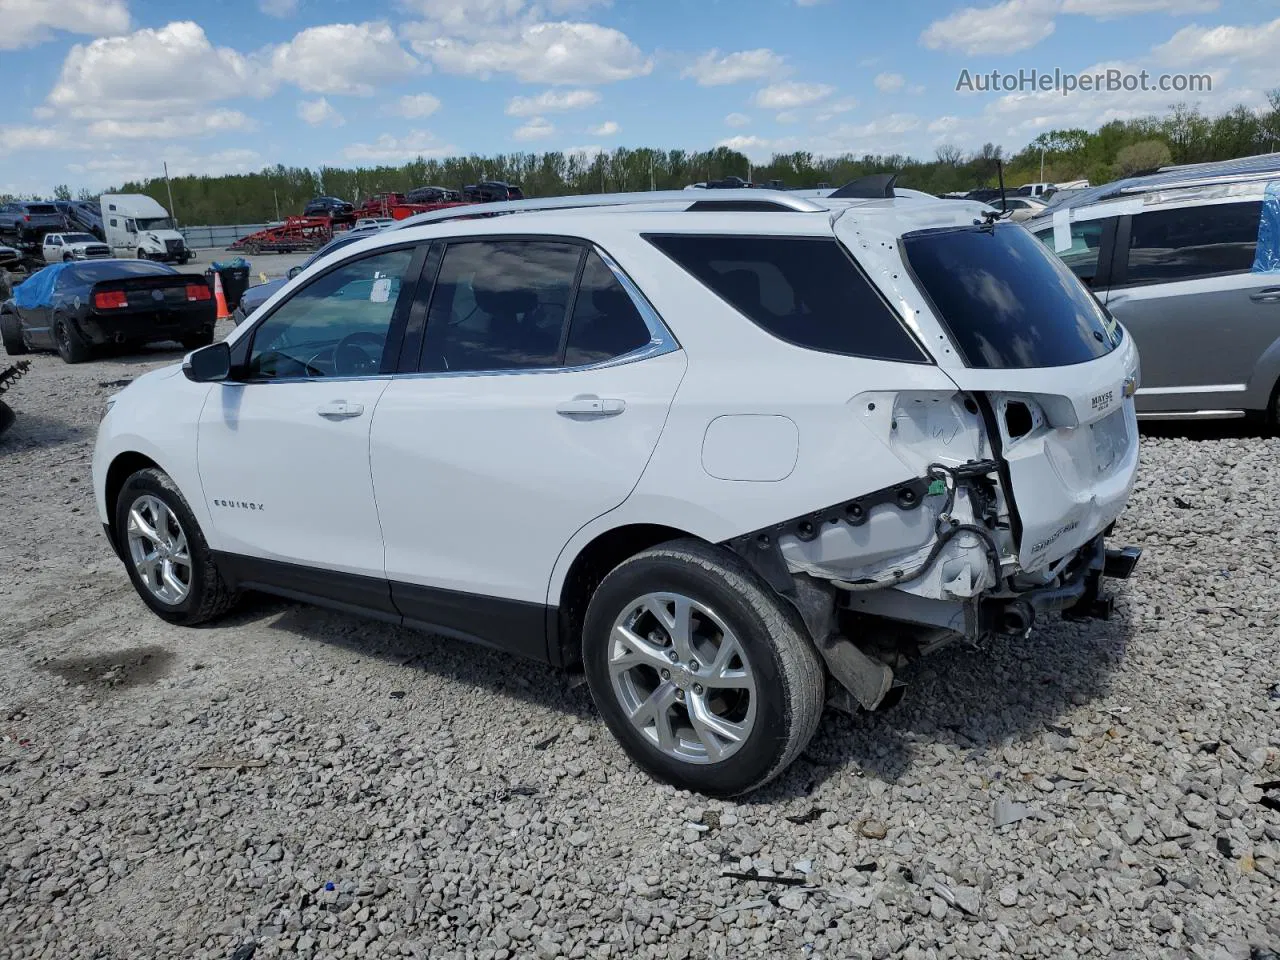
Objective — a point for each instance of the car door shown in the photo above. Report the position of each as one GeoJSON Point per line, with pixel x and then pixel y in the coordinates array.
{"type": "Point", "coordinates": [52, 249]}
{"type": "Point", "coordinates": [543, 383]}
{"type": "Point", "coordinates": [284, 447]}
{"type": "Point", "coordinates": [1183, 286]}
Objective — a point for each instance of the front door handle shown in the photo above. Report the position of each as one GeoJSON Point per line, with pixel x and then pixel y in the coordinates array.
{"type": "Point", "coordinates": [590, 406]}
{"type": "Point", "coordinates": [1266, 295]}
{"type": "Point", "coordinates": [340, 410]}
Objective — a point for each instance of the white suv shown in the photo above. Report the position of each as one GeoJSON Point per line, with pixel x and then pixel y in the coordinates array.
{"type": "Point", "coordinates": [715, 450]}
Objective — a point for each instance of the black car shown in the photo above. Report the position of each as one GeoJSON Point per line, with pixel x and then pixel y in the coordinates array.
{"type": "Point", "coordinates": [27, 221]}
{"type": "Point", "coordinates": [432, 195]}
{"type": "Point", "coordinates": [73, 307]}
{"type": "Point", "coordinates": [492, 191]}
{"type": "Point", "coordinates": [330, 207]}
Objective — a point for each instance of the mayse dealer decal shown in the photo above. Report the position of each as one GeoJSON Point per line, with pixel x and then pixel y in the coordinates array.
{"type": "Point", "coordinates": [237, 504]}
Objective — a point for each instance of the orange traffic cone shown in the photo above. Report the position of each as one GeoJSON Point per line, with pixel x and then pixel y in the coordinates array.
{"type": "Point", "coordinates": [220, 297]}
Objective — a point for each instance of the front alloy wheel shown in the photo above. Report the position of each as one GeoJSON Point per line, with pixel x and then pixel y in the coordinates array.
{"type": "Point", "coordinates": [159, 550]}
{"type": "Point", "coordinates": [683, 678]}
{"type": "Point", "coordinates": [165, 552]}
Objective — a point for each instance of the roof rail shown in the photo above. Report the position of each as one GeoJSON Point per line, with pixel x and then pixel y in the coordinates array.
{"type": "Point", "coordinates": [724, 200]}
{"type": "Point", "coordinates": [1207, 181]}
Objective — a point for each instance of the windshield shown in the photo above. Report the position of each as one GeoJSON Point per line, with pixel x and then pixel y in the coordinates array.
{"type": "Point", "coordinates": [78, 238]}
{"type": "Point", "coordinates": [154, 223]}
{"type": "Point", "coordinates": [1008, 302]}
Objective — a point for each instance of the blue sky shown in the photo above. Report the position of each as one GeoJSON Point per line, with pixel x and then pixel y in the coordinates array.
{"type": "Point", "coordinates": [104, 90]}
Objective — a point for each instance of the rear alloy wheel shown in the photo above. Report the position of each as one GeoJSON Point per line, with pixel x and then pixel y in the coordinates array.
{"type": "Point", "coordinates": [11, 334]}
{"type": "Point", "coordinates": [71, 346]}
{"type": "Point", "coordinates": [165, 552]}
{"type": "Point", "coordinates": [706, 679]}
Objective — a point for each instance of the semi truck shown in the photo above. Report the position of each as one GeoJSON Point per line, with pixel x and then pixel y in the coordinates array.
{"type": "Point", "coordinates": [137, 226]}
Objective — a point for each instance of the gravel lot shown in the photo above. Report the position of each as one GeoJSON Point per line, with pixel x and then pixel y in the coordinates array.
{"type": "Point", "coordinates": [182, 793]}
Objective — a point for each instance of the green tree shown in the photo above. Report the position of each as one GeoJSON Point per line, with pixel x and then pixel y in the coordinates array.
{"type": "Point", "coordinates": [62, 192]}
{"type": "Point", "coordinates": [1145, 156]}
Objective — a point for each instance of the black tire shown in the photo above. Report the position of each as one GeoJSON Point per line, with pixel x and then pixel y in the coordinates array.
{"type": "Point", "coordinates": [208, 596]}
{"type": "Point", "coordinates": [195, 341]}
{"type": "Point", "coordinates": [787, 669]}
{"type": "Point", "coordinates": [142, 254]}
{"type": "Point", "coordinates": [6, 416]}
{"type": "Point", "coordinates": [11, 335]}
{"type": "Point", "coordinates": [71, 346]}
{"type": "Point", "coordinates": [66, 258]}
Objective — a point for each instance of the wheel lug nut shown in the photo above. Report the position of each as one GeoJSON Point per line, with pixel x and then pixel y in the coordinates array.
{"type": "Point", "coordinates": [666, 674]}
{"type": "Point", "coordinates": [673, 656]}
{"type": "Point", "coordinates": [679, 694]}
{"type": "Point", "coordinates": [697, 688]}
{"type": "Point", "coordinates": [695, 666]}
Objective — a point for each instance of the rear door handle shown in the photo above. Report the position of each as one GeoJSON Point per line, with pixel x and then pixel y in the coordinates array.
{"type": "Point", "coordinates": [591, 406]}
{"type": "Point", "coordinates": [1266, 295]}
{"type": "Point", "coordinates": [340, 410]}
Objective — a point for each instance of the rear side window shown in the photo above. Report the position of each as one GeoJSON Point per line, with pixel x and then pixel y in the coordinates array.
{"type": "Point", "coordinates": [806, 291]}
{"type": "Point", "coordinates": [1086, 246]}
{"type": "Point", "coordinates": [500, 305]}
{"type": "Point", "coordinates": [41, 208]}
{"type": "Point", "coordinates": [606, 323]}
{"type": "Point", "coordinates": [1190, 242]}
{"type": "Point", "coordinates": [1008, 302]}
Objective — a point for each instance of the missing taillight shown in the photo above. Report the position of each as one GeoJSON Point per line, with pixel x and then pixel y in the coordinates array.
{"type": "Point", "coordinates": [1017, 419]}
{"type": "Point", "coordinates": [110, 300]}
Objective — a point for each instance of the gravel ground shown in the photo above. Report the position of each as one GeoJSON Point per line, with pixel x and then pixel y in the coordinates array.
{"type": "Point", "coordinates": [326, 787]}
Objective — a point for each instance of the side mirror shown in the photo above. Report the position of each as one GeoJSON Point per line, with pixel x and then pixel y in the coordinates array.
{"type": "Point", "coordinates": [294, 271]}
{"type": "Point", "coordinates": [209, 364]}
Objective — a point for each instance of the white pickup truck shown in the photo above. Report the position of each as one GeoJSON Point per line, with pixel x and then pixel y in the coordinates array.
{"type": "Point", "coordinates": [60, 247]}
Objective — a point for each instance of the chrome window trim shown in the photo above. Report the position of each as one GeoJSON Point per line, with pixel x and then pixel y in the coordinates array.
{"type": "Point", "coordinates": [662, 340]}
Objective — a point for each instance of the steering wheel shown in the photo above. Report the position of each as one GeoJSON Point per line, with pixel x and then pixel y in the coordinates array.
{"type": "Point", "coordinates": [350, 360]}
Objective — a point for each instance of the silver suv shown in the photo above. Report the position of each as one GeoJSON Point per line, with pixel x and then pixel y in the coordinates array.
{"type": "Point", "coordinates": [1188, 260]}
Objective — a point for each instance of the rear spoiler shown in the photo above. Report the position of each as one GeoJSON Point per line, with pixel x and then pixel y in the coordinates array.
{"type": "Point", "coordinates": [876, 186]}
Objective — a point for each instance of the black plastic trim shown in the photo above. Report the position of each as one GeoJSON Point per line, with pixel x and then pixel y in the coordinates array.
{"type": "Point", "coordinates": [1006, 477]}
{"type": "Point", "coordinates": [739, 206]}
{"type": "Point", "coordinates": [874, 186]}
{"type": "Point", "coordinates": [512, 626]}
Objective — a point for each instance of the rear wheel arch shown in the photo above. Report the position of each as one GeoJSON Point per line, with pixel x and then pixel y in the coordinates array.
{"type": "Point", "coordinates": [589, 568]}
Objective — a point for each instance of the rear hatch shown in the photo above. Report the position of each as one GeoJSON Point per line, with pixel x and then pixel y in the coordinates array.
{"type": "Point", "coordinates": [1053, 371]}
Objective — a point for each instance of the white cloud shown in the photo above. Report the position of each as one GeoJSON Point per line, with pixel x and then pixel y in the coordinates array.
{"type": "Point", "coordinates": [589, 151]}
{"type": "Point", "coordinates": [713, 69]}
{"type": "Point", "coordinates": [1200, 44]}
{"type": "Point", "coordinates": [890, 82]}
{"type": "Point", "coordinates": [13, 139]}
{"type": "Point", "coordinates": [198, 123]}
{"type": "Point", "coordinates": [553, 53]}
{"type": "Point", "coordinates": [343, 58]}
{"type": "Point", "coordinates": [607, 129]}
{"type": "Point", "coordinates": [388, 149]}
{"type": "Point", "coordinates": [25, 23]}
{"type": "Point", "coordinates": [1109, 9]}
{"type": "Point", "coordinates": [278, 8]}
{"type": "Point", "coordinates": [829, 111]}
{"type": "Point", "coordinates": [152, 72]}
{"type": "Point", "coordinates": [787, 96]}
{"type": "Point", "coordinates": [465, 18]}
{"type": "Point", "coordinates": [736, 120]}
{"type": "Point", "coordinates": [537, 128]}
{"type": "Point", "coordinates": [319, 113]}
{"type": "Point", "coordinates": [944, 124]}
{"type": "Point", "coordinates": [550, 101]}
{"type": "Point", "coordinates": [116, 168]}
{"type": "Point", "coordinates": [1004, 28]}
{"type": "Point", "coordinates": [788, 116]}
{"type": "Point", "coordinates": [414, 106]}
{"type": "Point", "coordinates": [744, 142]}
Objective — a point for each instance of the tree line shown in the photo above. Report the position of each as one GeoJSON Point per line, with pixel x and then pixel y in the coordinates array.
{"type": "Point", "coordinates": [1116, 149]}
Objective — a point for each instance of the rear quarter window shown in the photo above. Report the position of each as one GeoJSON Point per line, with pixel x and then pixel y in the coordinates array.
{"type": "Point", "coordinates": [1007, 301]}
{"type": "Point", "coordinates": [804, 290]}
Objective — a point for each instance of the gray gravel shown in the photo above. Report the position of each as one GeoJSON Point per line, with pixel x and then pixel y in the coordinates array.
{"type": "Point", "coordinates": [327, 787]}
